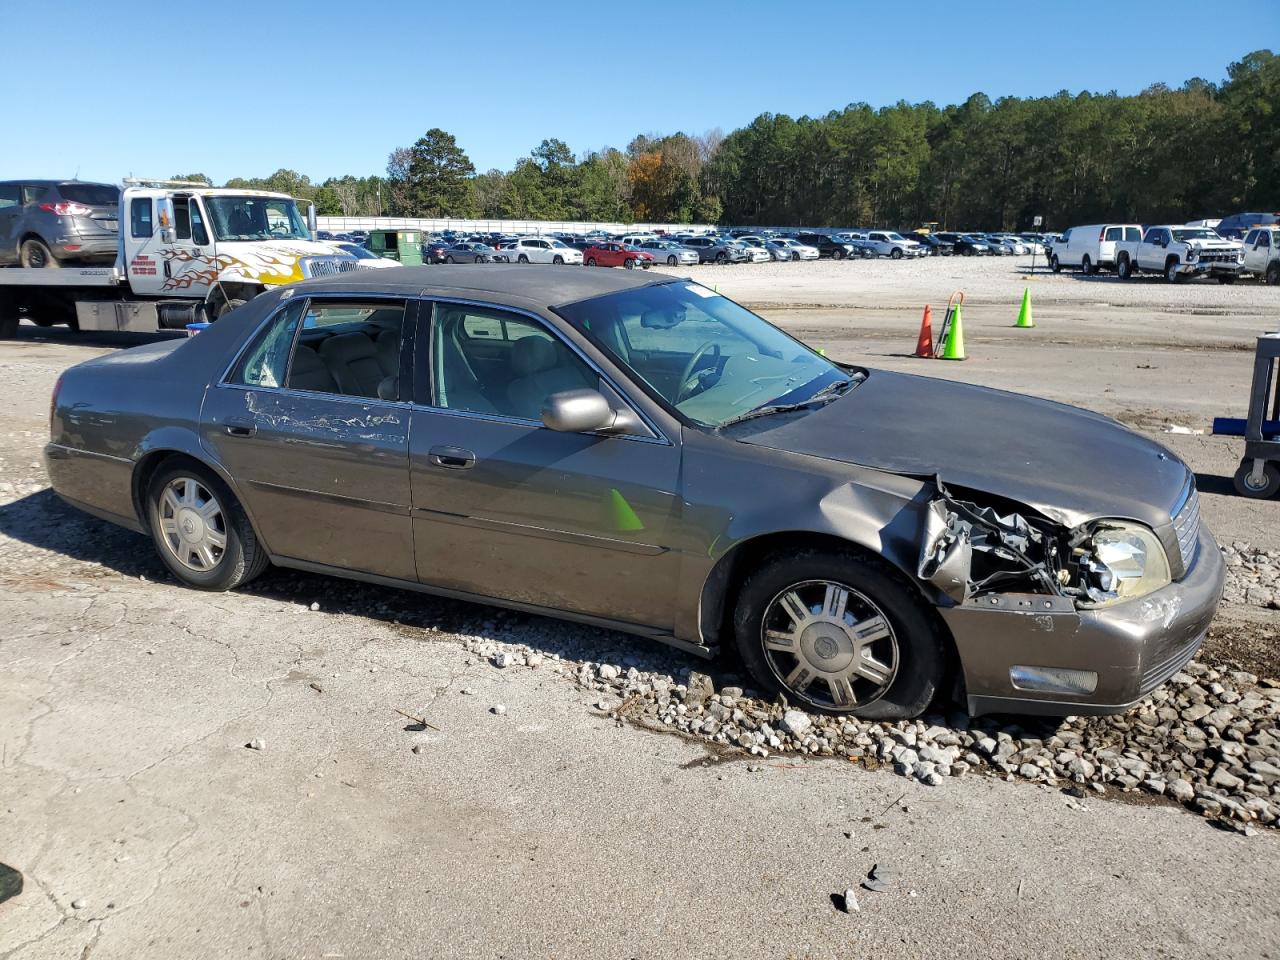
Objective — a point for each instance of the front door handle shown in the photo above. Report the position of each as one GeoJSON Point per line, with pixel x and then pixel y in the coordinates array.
{"type": "Point", "coordinates": [455, 458]}
{"type": "Point", "coordinates": [240, 428]}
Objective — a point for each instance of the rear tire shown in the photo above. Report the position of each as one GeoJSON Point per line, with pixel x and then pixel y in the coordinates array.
{"type": "Point", "coordinates": [1124, 269]}
{"type": "Point", "coordinates": [228, 305]}
{"type": "Point", "coordinates": [905, 649]}
{"type": "Point", "coordinates": [189, 511]}
{"type": "Point", "coordinates": [1087, 267]}
{"type": "Point", "coordinates": [34, 254]}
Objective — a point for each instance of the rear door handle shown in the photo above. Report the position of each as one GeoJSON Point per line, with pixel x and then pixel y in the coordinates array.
{"type": "Point", "coordinates": [454, 458]}
{"type": "Point", "coordinates": [240, 428]}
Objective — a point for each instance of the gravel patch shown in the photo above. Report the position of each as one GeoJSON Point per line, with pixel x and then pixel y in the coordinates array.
{"type": "Point", "coordinates": [1253, 576]}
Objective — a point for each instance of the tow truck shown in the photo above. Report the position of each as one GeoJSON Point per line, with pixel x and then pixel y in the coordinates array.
{"type": "Point", "coordinates": [188, 253]}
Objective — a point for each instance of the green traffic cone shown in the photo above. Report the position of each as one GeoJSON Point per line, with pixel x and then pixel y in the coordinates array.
{"type": "Point", "coordinates": [954, 348]}
{"type": "Point", "coordinates": [1024, 315]}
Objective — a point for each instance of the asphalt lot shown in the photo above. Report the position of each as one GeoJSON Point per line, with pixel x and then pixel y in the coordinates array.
{"type": "Point", "coordinates": [126, 704]}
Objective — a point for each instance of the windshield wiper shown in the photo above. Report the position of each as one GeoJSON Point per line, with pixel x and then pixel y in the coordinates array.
{"type": "Point", "coordinates": [828, 393]}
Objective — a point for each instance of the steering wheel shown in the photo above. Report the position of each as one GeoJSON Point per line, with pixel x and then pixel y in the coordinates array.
{"type": "Point", "coordinates": [687, 382]}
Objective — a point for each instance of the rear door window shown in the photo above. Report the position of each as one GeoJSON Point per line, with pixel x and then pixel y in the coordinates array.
{"type": "Point", "coordinates": [264, 363]}
{"type": "Point", "coordinates": [8, 195]}
{"type": "Point", "coordinates": [1133, 233]}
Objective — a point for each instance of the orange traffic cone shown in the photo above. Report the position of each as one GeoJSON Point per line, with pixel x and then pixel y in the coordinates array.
{"type": "Point", "coordinates": [924, 344]}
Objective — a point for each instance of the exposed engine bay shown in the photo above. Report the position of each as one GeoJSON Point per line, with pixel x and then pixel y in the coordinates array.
{"type": "Point", "coordinates": [970, 550]}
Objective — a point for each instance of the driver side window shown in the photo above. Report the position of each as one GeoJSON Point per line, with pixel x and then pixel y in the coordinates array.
{"type": "Point", "coordinates": [491, 361]}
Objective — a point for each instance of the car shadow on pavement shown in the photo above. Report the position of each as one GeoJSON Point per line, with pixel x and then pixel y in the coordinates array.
{"type": "Point", "coordinates": [30, 333]}
{"type": "Point", "coordinates": [46, 524]}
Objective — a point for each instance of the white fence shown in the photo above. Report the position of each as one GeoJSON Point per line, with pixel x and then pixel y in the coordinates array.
{"type": "Point", "coordinates": [347, 224]}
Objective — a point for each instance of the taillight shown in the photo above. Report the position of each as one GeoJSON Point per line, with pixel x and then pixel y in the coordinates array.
{"type": "Point", "coordinates": [1102, 234]}
{"type": "Point", "coordinates": [67, 208]}
{"type": "Point", "coordinates": [53, 400]}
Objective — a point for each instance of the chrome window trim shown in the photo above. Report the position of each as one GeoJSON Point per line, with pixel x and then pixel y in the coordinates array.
{"type": "Point", "coordinates": [659, 435]}
{"type": "Point", "coordinates": [313, 394]}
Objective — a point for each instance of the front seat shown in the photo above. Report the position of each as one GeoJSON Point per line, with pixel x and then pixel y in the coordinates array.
{"type": "Point", "coordinates": [542, 367]}
{"type": "Point", "coordinates": [352, 358]}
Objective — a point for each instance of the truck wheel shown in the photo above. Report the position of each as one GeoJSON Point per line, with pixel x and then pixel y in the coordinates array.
{"type": "Point", "coordinates": [1247, 487]}
{"type": "Point", "coordinates": [1273, 275]}
{"type": "Point", "coordinates": [897, 254]}
{"type": "Point", "coordinates": [1087, 267]}
{"type": "Point", "coordinates": [35, 254]}
{"type": "Point", "coordinates": [1055, 265]}
{"type": "Point", "coordinates": [1124, 270]}
{"type": "Point", "coordinates": [229, 305]}
{"type": "Point", "coordinates": [1171, 271]}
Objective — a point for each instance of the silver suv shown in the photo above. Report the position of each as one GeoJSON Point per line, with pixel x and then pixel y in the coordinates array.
{"type": "Point", "coordinates": [46, 222]}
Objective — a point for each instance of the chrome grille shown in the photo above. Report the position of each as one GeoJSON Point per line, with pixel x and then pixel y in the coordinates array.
{"type": "Point", "coordinates": [1186, 523]}
{"type": "Point", "coordinates": [328, 266]}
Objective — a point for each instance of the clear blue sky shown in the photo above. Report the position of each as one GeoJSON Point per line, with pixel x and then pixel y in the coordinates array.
{"type": "Point", "coordinates": [326, 88]}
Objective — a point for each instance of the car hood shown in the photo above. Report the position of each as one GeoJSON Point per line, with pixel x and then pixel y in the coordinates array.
{"type": "Point", "coordinates": [1069, 464]}
{"type": "Point", "coordinates": [1214, 244]}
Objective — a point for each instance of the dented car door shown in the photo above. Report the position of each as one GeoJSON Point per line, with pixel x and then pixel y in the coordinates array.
{"type": "Point", "coordinates": [321, 465]}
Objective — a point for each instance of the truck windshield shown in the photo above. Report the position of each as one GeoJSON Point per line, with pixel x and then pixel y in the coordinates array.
{"type": "Point", "coordinates": [704, 355]}
{"type": "Point", "coordinates": [256, 218]}
{"type": "Point", "coordinates": [1195, 234]}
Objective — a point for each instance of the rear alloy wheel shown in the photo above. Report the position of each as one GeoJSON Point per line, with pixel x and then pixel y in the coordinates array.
{"type": "Point", "coordinates": [1124, 270]}
{"type": "Point", "coordinates": [1247, 486]}
{"type": "Point", "coordinates": [35, 255]}
{"type": "Point", "coordinates": [591, 261]}
{"type": "Point", "coordinates": [838, 633]}
{"type": "Point", "coordinates": [1171, 271]}
{"type": "Point", "coordinates": [202, 534]}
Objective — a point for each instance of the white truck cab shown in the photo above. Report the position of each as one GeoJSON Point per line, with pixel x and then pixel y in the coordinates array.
{"type": "Point", "coordinates": [1262, 254]}
{"type": "Point", "coordinates": [188, 252]}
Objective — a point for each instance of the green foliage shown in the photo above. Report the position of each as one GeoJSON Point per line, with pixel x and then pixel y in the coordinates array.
{"type": "Point", "coordinates": [1201, 150]}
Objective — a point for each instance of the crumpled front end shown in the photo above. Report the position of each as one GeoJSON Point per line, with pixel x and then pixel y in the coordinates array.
{"type": "Point", "coordinates": [1055, 620]}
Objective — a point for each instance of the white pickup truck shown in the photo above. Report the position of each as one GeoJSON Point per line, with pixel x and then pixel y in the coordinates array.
{"type": "Point", "coordinates": [1262, 254]}
{"type": "Point", "coordinates": [1178, 251]}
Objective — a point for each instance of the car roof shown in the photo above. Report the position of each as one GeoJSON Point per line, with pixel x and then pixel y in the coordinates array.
{"type": "Point", "coordinates": [58, 183]}
{"type": "Point", "coordinates": [516, 284]}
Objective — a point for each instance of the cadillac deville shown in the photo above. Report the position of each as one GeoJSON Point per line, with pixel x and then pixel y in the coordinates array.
{"type": "Point", "coordinates": [641, 453]}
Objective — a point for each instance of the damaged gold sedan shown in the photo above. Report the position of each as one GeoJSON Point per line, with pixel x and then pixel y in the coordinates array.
{"type": "Point", "coordinates": [641, 453]}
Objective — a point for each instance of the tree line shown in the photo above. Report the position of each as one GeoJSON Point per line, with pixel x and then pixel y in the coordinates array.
{"type": "Point", "coordinates": [1204, 149]}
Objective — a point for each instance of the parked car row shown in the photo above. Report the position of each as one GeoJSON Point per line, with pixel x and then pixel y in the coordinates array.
{"type": "Point", "coordinates": [1174, 251]}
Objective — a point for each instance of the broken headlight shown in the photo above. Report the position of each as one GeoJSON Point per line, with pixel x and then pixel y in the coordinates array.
{"type": "Point", "coordinates": [1121, 561]}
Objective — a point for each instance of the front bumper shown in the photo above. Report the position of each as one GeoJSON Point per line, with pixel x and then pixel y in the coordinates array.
{"type": "Point", "coordinates": [1133, 647]}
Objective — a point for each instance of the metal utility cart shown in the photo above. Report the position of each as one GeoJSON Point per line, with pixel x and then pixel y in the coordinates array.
{"type": "Point", "coordinates": [1259, 472]}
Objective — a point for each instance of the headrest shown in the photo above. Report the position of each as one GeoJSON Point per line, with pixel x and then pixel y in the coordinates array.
{"type": "Point", "coordinates": [309, 372]}
{"type": "Point", "coordinates": [532, 354]}
{"type": "Point", "coordinates": [346, 347]}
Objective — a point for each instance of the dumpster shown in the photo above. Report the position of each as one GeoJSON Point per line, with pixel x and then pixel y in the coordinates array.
{"type": "Point", "coordinates": [402, 245]}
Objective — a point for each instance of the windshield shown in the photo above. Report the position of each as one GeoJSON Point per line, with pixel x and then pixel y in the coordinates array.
{"type": "Point", "coordinates": [707, 357]}
{"type": "Point", "coordinates": [256, 218]}
{"type": "Point", "coordinates": [359, 252]}
{"type": "Point", "coordinates": [1197, 234]}
{"type": "Point", "coordinates": [557, 243]}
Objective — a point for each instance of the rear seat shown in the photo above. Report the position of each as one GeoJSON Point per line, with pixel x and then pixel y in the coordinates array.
{"type": "Point", "coordinates": [352, 359]}
{"type": "Point", "coordinates": [309, 372]}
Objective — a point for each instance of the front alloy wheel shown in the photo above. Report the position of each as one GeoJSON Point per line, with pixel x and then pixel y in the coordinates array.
{"type": "Point", "coordinates": [829, 644]}
{"type": "Point", "coordinates": [839, 632]}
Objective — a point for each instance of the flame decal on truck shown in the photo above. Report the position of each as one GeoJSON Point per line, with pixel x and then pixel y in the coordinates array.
{"type": "Point", "coordinates": [202, 269]}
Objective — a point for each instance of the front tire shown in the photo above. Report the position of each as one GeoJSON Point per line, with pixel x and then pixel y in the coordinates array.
{"type": "Point", "coordinates": [839, 632]}
{"type": "Point", "coordinates": [591, 261]}
{"type": "Point", "coordinates": [1273, 275]}
{"type": "Point", "coordinates": [896, 254]}
{"type": "Point", "coordinates": [629, 263]}
{"type": "Point", "coordinates": [671, 261]}
{"type": "Point", "coordinates": [228, 305]}
{"type": "Point", "coordinates": [558, 260]}
{"type": "Point", "coordinates": [200, 530]}
{"type": "Point", "coordinates": [1055, 265]}
{"type": "Point", "coordinates": [34, 254]}
{"type": "Point", "coordinates": [1171, 273]}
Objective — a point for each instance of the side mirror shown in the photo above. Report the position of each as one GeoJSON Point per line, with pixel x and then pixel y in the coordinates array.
{"type": "Point", "coordinates": [585, 411]}
{"type": "Point", "coordinates": [311, 220]}
{"type": "Point", "coordinates": [165, 215]}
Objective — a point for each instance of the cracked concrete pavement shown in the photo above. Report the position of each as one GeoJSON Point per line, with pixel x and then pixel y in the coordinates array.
{"type": "Point", "coordinates": [126, 786]}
